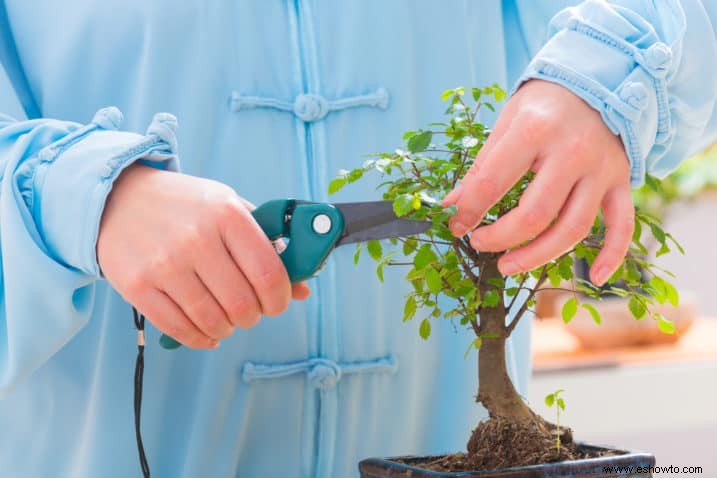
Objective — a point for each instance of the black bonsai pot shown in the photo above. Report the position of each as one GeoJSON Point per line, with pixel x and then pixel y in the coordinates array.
{"type": "Point", "coordinates": [619, 464]}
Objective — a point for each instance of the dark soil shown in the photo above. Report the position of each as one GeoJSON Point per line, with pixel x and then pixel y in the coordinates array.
{"type": "Point", "coordinates": [498, 444]}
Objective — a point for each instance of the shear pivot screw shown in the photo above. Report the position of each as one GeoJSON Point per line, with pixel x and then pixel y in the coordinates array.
{"type": "Point", "coordinates": [321, 224]}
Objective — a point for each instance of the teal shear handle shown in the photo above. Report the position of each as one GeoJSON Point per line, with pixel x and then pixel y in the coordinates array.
{"type": "Point", "coordinates": [312, 231]}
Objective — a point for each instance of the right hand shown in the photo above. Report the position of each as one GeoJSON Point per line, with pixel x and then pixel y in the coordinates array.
{"type": "Point", "coordinates": [187, 253]}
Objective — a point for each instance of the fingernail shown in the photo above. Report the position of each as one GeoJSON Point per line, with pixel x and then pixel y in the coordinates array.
{"type": "Point", "coordinates": [602, 275]}
{"type": "Point", "coordinates": [214, 344]}
{"type": "Point", "coordinates": [458, 228]}
{"type": "Point", "coordinates": [453, 196]}
{"type": "Point", "coordinates": [476, 241]}
{"type": "Point", "coordinates": [508, 268]}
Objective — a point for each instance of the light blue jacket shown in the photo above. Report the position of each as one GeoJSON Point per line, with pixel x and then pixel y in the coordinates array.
{"type": "Point", "coordinates": [273, 98]}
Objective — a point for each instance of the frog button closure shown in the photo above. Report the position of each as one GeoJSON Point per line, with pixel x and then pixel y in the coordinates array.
{"type": "Point", "coordinates": [310, 107]}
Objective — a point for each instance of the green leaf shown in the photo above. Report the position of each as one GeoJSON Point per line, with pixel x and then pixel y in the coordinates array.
{"type": "Point", "coordinates": [409, 245]}
{"type": "Point", "coordinates": [425, 329]}
{"type": "Point", "coordinates": [665, 326]}
{"type": "Point", "coordinates": [379, 271]}
{"type": "Point", "coordinates": [664, 249]}
{"type": "Point", "coordinates": [446, 94]}
{"type": "Point", "coordinates": [424, 257]}
{"type": "Point", "coordinates": [433, 280]}
{"type": "Point", "coordinates": [475, 344]}
{"type": "Point", "coordinates": [561, 403]}
{"type": "Point", "coordinates": [336, 185]}
{"type": "Point", "coordinates": [497, 281]}
{"type": "Point", "coordinates": [657, 288]}
{"type": "Point", "coordinates": [653, 183]}
{"type": "Point", "coordinates": [658, 233]}
{"type": "Point", "coordinates": [550, 399]}
{"type": "Point", "coordinates": [637, 232]}
{"type": "Point", "coordinates": [409, 309]}
{"type": "Point", "coordinates": [403, 204]}
{"type": "Point", "coordinates": [374, 249]}
{"type": "Point", "coordinates": [570, 308]}
{"type": "Point", "coordinates": [354, 175]}
{"type": "Point", "coordinates": [416, 204]}
{"type": "Point", "coordinates": [673, 297]}
{"type": "Point", "coordinates": [357, 254]}
{"type": "Point", "coordinates": [420, 142]}
{"type": "Point", "coordinates": [553, 275]}
{"type": "Point", "coordinates": [414, 274]}
{"type": "Point", "coordinates": [637, 307]}
{"type": "Point", "coordinates": [677, 244]}
{"type": "Point", "coordinates": [565, 268]}
{"type": "Point", "coordinates": [491, 298]}
{"type": "Point", "coordinates": [593, 312]}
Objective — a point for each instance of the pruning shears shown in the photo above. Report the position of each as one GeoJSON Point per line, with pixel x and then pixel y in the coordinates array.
{"type": "Point", "coordinates": [314, 229]}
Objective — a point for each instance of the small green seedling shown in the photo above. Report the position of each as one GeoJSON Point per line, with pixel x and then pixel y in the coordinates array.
{"type": "Point", "coordinates": [554, 399]}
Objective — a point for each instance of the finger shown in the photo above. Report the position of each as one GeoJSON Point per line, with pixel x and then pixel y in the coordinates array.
{"type": "Point", "coordinates": [229, 286]}
{"type": "Point", "coordinates": [539, 206]}
{"type": "Point", "coordinates": [258, 261]}
{"type": "Point", "coordinates": [573, 224]}
{"type": "Point", "coordinates": [300, 291]}
{"type": "Point", "coordinates": [169, 318]}
{"type": "Point", "coordinates": [501, 127]}
{"type": "Point", "coordinates": [196, 301]}
{"type": "Point", "coordinates": [489, 180]}
{"type": "Point", "coordinates": [619, 215]}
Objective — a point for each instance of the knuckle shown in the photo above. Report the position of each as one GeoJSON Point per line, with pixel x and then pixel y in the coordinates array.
{"type": "Point", "coordinates": [226, 210]}
{"type": "Point", "coordinates": [576, 150]}
{"type": "Point", "coordinates": [177, 331]}
{"type": "Point", "coordinates": [535, 125]}
{"type": "Point", "coordinates": [535, 218]}
{"type": "Point", "coordinates": [196, 307]}
{"type": "Point", "coordinates": [137, 283]}
{"type": "Point", "coordinates": [157, 265]}
{"type": "Point", "coordinates": [471, 207]}
{"type": "Point", "coordinates": [487, 187]}
{"type": "Point", "coordinates": [216, 326]}
{"type": "Point", "coordinates": [240, 307]}
{"type": "Point", "coordinates": [578, 229]}
{"type": "Point", "coordinates": [181, 332]}
{"type": "Point", "coordinates": [191, 240]}
{"type": "Point", "coordinates": [248, 321]}
{"type": "Point", "coordinates": [271, 279]}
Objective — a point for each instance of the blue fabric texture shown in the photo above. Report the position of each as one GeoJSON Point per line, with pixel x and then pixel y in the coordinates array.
{"type": "Point", "coordinates": [273, 98]}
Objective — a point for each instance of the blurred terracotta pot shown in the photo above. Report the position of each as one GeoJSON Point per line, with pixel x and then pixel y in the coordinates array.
{"type": "Point", "coordinates": [619, 328]}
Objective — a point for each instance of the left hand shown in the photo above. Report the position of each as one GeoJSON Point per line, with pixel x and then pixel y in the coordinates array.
{"type": "Point", "coordinates": [579, 165]}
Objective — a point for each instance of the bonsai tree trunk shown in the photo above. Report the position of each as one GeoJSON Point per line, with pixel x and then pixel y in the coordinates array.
{"type": "Point", "coordinates": [495, 389]}
{"type": "Point", "coordinates": [512, 427]}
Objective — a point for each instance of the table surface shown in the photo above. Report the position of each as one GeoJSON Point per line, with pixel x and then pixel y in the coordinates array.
{"type": "Point", "coordinates": [555, 349]}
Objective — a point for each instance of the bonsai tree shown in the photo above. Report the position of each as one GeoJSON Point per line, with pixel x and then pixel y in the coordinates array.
{"type": "Point", "coordinates": [452, 281]}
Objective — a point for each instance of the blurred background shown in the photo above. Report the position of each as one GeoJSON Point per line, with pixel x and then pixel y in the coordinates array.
{"type": "Point", "coordinates": [626, 384]}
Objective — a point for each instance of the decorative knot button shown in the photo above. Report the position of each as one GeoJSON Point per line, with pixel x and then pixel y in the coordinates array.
{"type": "Point", "coordinates": [658, 58]}
{"type": "Point", "coordinates": [634, 94]}
{"type": "Point", "coordinates": [325, 374]}
{"type": "Point", "coordinates": [108, 118]}
{"type": "Point", "coordinates": [310, 107]}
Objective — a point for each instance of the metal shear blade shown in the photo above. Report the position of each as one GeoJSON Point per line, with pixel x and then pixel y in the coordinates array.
{"type": "Point", "coordinates": [364, 221]}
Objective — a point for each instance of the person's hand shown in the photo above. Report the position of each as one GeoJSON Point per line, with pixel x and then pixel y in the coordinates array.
{"type": "Point", "coordinates": [579, 167]}
{"type": "Point", "coordinates": [188, 254]}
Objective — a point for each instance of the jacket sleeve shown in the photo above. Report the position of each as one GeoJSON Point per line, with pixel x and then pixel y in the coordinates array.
{"type": "Point", "coordinates": [54, 179]}
{"type": "Point", "coordinates": [648, 67]}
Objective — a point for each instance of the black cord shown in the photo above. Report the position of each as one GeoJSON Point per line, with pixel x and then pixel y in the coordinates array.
{"type": "Point", "coordinates": [138, 379]}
